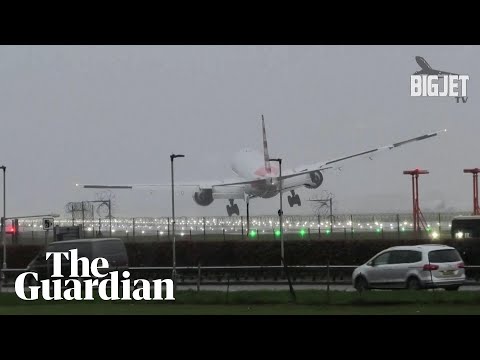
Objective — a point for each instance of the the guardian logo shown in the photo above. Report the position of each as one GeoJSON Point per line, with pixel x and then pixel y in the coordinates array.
{"type": "Point", "coordinates": [431, 82]}
{"type": "Point", "coordinates": [80, 285]}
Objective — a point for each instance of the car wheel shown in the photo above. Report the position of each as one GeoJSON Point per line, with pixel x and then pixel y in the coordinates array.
{"type": "Point", "coordinates": [413, 283]}
{"type": "Point", "coordinates": [361, 284]}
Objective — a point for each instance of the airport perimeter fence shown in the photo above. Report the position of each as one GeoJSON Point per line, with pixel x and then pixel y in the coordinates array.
{"type": "Point", "coordinates": [341, 227]}
{"type": "Point", "coordinates": [199, 276]}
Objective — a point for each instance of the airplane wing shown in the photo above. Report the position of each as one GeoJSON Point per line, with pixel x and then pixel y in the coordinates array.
{"type": "Point", "coordinates": [148, 187]}
{"type": "Point", "coordinates": [154, 187]}
{"type": "Point", "coordinates": [433, 72]}
{"type": "Point", "coordinates": [320, 166]}
{"type": "Point", "coordinates": [439, 72]}
{"type": "Point", "coordinates": [366, 153]}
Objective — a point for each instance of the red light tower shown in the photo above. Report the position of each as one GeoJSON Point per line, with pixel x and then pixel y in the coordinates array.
{"type": "Point", "coordinates": [476, 208]}
{"type": "Point", "coordinates": [417, 213]}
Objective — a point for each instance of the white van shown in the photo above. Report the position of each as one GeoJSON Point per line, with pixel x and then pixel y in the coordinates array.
{"type": "Point", "coordinates": [412, 267]}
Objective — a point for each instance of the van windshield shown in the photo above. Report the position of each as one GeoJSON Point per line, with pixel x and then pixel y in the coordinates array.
{"type": "Point", "coordinates": [443, 256]}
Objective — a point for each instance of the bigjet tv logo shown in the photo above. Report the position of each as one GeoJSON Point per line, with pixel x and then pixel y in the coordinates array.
{"type": "Point", "coordinates": [79, 284]}
{"type": "Point", "coordinates": [432, 82]}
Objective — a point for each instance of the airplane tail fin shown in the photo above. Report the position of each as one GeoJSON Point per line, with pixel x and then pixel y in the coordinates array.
{"type": "Point", "coordinates": [265, 148]}
{"type": "Point", "coordinates": [423, 63]}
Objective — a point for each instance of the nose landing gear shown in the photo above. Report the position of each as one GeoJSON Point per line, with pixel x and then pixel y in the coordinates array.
{"type": "Point", "coordinates": [294, 199]}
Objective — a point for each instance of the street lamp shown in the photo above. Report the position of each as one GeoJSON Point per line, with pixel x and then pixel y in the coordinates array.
{"type": "Point", "coordinates": [3, 224]}
{"type": "Point", "coordinates": [280, 212]}
{"type": "Point", "coordinates": [174, 269]}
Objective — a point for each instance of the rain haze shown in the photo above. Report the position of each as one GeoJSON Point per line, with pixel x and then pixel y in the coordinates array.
{"type": "Point", "coordinates": [114, 114]}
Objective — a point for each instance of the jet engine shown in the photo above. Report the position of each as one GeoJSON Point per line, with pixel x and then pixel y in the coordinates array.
{"type": "Point", "coordinates": [203, 197]}
{"type": "Point", "coordinates": [316, 179]}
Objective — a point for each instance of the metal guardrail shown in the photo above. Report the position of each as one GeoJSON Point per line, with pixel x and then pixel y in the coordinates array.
{"type": "Point", "coordinates": [242, 275]}
{"type": "Point", "coordinates": [255, 267]}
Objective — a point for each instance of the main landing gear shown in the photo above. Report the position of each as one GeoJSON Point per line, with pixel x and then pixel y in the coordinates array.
{"type": "Point", "coordinates": [294, 199]}
{"type": "Point", "coordinates": [232, 208]}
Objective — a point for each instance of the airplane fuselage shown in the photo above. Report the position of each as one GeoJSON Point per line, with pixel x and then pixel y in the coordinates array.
{"type": "Point", "coordinates": [249, 165]}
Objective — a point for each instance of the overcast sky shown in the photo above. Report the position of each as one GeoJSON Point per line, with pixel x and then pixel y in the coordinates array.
{"type": "Point", "coordinates": [114, 114]}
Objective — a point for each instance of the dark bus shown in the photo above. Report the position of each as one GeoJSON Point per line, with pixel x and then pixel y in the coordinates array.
{"type": "Point", "coordinates": [464, 227]}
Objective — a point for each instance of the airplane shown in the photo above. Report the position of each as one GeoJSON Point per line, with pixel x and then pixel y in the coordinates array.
{"type": "Point", "coordinates": [256, 177]}
{"type": "Point", "coordinates": [427, 69]}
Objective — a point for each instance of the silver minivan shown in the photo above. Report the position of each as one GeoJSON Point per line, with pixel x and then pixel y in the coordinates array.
{"type": "Point", "coordinates": [412, 267]}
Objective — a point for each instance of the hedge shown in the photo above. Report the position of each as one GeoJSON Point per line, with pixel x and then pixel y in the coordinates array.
{"type": "Point", "coordinates": [225, 253]}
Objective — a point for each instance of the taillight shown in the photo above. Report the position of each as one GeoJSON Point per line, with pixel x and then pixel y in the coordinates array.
{"type": "Point", "coordinates": [430, 267]}
{"type": "Point", "coordinates": [461, 265]}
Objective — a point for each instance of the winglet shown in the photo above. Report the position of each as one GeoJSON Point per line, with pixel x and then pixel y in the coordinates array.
{"type": "Point", "coordinates": [265, 148]}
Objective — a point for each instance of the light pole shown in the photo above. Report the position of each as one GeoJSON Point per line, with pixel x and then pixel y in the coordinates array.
{"type": "Point", "coordinates": [280, 212]}
{"type": "Point", "coordinates": [174, 269]}
{"type": "Point", "coordinates": [3, 223]}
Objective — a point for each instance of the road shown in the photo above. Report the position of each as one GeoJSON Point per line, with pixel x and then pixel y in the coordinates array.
{"type": "Point", "coordinates": [296, 287]}
{"type": "Point", "coordinates": [251, 287]}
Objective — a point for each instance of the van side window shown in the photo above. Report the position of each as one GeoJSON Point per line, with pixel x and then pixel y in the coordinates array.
{"type": "Point", "coordinates": [382, 259]}
{"type": "Point", "coordinates": [84, 250]}
{"type": "Point", "coordinates": [109, 247]}
{"type": "Point", "coordinates": [112, 250]}
{"type": "Point", "coordinates": [414, 256]}
{"type": "Point", "coordinates": [396, 257]}
{"type": "Point", "coordinates": [405, 257]}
